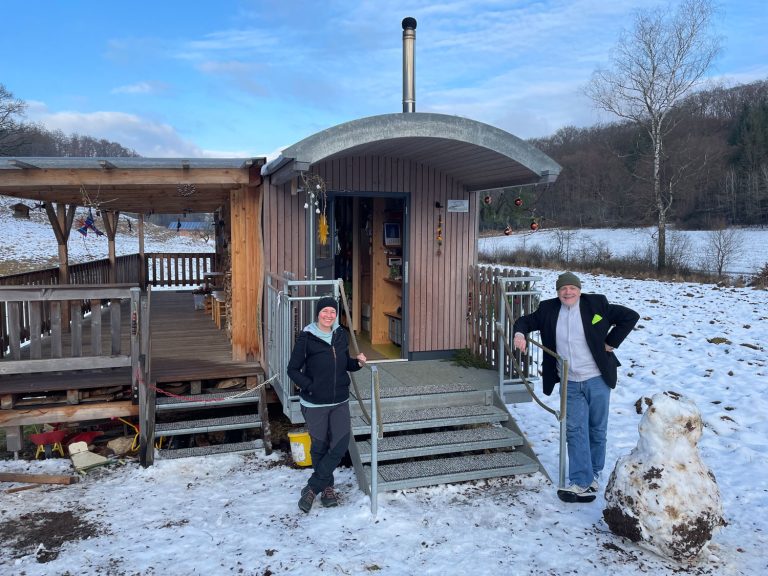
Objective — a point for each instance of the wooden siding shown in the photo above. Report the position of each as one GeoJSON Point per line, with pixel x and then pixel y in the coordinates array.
{"type": "Point", "coordinates": [437, 289]}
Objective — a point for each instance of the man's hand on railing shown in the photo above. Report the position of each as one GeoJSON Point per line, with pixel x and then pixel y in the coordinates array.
{"type": "Point", "coordinates": [519, 341]}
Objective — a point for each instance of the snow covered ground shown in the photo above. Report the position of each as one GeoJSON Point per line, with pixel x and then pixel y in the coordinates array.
{"type": "Point", "coordinates": [238, 514]}
{"type": "Point", "coordinates": [750, 256]}
{"type": "Point", "coordinates": [31, 244]}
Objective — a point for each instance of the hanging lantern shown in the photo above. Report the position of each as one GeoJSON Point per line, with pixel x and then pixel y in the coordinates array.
{"type": "Point", "coordinates": [487, 200]}
{"type": "Point", "coordinates": [518, 201]}
{"type": "Point", "coordinates": [534, 225]}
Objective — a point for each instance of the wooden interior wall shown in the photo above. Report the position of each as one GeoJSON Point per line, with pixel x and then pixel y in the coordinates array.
{"type": "Point", "coordinates": [437, 283]}
{"type": "Point", "coordinates": [247, 272]}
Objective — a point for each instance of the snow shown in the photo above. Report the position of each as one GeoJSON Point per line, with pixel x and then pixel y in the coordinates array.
{"type": "Point", "coordinates": [749, 256]}
{"type": "Point", "coordinates": [33, 243]}
{"type": "Point", "coordinates": [238, 514]}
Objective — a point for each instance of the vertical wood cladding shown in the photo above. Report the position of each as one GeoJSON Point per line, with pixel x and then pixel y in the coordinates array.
{"type": "Point", "coordinates": [437, 288]}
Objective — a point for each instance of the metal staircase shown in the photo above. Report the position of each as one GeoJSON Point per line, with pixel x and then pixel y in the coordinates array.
{"type": "Point", "coordinates": [208, 413]}
{"type": "Point", "coordinates": [436, 434]}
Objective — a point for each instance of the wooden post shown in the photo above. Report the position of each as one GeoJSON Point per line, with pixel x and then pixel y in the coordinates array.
{"type": "Point", "coordinates": [110, 227]}
{"type": "Point", "coordinates": [142, 257]}
{"type": "Point", "coordinates": [247, 280]}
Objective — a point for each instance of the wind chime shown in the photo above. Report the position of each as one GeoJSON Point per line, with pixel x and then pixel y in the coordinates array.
{"type": "Point", "coordinates": [317, 198]}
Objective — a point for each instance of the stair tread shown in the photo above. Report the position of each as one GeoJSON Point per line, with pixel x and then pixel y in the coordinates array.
{"type": "Point", "coordinates": [440, 467]}
{"type": "Point", "coordinates": [207, 400]}
{"type": "Point", "coordinates": [440, 413]}
{"type": "Point", "coordinates": [418, 390]}
{"type": "Point", "coordinates": [465, 437]}
{"type": "Point", "coordinates": [207, 423]}
{"type": "Point", "coordinates": [249, 446]}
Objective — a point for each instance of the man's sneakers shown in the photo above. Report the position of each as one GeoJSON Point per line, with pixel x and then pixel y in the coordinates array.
{"type": "Point", "coordinates": [576, 493]}
{"type": "Point", "coordinates": [329, 498]}
{"type": "Point", "coordinates": [307, 498]}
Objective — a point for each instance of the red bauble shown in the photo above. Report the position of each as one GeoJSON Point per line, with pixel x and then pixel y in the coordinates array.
{"type": "Point", "coordinates": [507, 231]}
{"type": "Point", "coordinates": [534, 226]}
{"type": "Point", "coordinates": [487, 200]}
{"type": "Point", "coordinates": [518, 201]}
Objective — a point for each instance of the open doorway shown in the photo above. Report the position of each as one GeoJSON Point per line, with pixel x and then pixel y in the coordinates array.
{"type": "Point", "coordinates": [367, 248]}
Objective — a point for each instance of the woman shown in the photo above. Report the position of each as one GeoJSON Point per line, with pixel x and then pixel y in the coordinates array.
{"type": "Point", "coordinates": [319, 364]}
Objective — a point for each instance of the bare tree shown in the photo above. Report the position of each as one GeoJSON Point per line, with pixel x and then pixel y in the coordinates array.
{"type": "Point", "coordinates": [10, 131]}
{"type": "Point", "coordinates": [723, 246]}
{"type": "Point", "coordinates": [655, 65]}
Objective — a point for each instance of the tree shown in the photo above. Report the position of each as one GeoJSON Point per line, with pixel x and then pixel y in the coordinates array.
{"type": "Point", "coordinates": [723, 246]}
{"type": "Point", "coordinates": [654, 66]}
{"type": "Point", "coordinates": [10, 108]}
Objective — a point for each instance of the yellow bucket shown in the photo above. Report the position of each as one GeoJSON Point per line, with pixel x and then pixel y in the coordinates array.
{"type": "Point", "coordinates": [300, 445]}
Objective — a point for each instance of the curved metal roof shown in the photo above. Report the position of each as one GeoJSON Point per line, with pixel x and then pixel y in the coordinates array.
{"type": "Point", "coordinates": [480, 156]}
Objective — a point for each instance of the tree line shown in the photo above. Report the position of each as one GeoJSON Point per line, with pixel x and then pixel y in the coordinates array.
{"type": "Point", "coordinates": [19, 138]}
{"type": "Point", "coordinates": [716, 157]}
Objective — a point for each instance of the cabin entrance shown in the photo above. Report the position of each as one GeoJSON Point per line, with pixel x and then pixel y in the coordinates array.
{"type": "Point", "coordinates": [366, 246]}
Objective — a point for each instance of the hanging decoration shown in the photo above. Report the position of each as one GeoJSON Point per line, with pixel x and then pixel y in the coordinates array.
{"type": "Point", "coordinates": [518, 201]}
{"type": "Point", "coordinates": [439, 236]}
{"type": "Point", "coordinates": [88, 224]}
{"type": "Point", "coordinates": [487, 200]}
{"type": "Point", "coordinates": [186, 190]}
{"type": "Point", "coordinates": [317, 199]}
{"type": "Point", "coordinates": [508, 230]}
{"type": "Point", "coordinates": [534, 225]}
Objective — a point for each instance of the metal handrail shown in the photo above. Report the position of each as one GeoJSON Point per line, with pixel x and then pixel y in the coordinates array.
{"type": "Point", "coordinates": [562, 362]}
{"type": "Point", "coordinates": [377, 433]}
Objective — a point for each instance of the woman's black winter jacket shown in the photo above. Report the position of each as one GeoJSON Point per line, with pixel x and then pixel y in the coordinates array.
{"type": "Point", "coordinates": [320, 370]}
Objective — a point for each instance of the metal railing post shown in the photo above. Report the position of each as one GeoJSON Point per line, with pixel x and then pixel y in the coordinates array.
{"type": "Point", "coordinates": [374, 441]}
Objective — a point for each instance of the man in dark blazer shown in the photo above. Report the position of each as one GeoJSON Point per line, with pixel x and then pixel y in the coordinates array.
{"type": "Point", "coordinates": [584, 329]}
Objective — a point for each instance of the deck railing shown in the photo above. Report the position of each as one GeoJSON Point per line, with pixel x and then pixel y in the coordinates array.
{"type": "Point", "coordinates": [486, 286]}
{"type": "Point", "coordinates": [181, 269]}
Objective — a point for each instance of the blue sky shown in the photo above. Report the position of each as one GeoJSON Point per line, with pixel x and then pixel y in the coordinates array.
{"type": "Point", "coordinates": [247, 77]}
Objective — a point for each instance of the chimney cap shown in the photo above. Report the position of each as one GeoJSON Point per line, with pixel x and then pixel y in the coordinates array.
{"type": "Point", "coordinates": [409, 23]}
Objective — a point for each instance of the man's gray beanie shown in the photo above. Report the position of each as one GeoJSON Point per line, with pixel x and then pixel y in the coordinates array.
{"type": "Point", "coordinates": [568, 279]}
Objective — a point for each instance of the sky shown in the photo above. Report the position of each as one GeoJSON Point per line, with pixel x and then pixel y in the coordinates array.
{"type": "Point", "coordinates": [236, 78]}
{"type": "Point", "coordinates": [237, 514]}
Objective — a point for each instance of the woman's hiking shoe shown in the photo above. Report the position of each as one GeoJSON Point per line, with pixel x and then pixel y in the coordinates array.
{"type": "Point", "coordinates": [329, 498]}
{"type": "Point", "coordinates": [576, 493]}
{"type": "Point", "coordinates": [307, 498]}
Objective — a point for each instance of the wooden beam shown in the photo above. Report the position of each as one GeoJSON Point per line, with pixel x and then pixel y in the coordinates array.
{"type": "Point", "coordinates": [37, 478]}
{"type": "Point", "coordinates": [64, 413]}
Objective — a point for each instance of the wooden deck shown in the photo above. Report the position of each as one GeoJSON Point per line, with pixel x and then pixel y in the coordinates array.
{"type": "Point", "coordinates": [186, 347]}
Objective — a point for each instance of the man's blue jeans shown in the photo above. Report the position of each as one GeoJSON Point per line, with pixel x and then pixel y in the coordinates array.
{"type": "Point", "coordinates": [586, 428]}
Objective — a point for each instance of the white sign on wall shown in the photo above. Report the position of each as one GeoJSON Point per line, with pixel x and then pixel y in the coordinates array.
{"type": "Point", "coordinates": [458, 205]}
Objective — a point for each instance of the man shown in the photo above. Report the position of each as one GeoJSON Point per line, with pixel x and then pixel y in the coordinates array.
{"type": "Point", "coordinates": [318, 365]}
{"type": "Point", "coordinates": [584, 329]}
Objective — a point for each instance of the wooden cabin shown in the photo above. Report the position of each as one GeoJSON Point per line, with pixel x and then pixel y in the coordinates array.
{"type": "Point", "coordinates": [400, 196]}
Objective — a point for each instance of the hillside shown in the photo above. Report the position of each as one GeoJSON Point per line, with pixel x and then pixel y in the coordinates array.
{"type": "Point", "coordinates": [30, 244]}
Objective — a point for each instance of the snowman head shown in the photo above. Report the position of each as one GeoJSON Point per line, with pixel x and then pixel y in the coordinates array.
{"type": "Point", "coordinates": [671, 419]}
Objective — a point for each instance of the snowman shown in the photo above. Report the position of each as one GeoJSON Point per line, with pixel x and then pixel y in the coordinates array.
{"type": "Point", "coordinates": [661, 495]}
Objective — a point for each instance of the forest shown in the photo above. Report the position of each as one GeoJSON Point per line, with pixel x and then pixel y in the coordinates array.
{"type": "Point", "coordinates": [715, 166]}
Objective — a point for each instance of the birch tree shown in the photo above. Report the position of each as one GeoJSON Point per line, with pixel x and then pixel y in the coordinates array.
{"type": "Point", "coordinates": [654, 65]}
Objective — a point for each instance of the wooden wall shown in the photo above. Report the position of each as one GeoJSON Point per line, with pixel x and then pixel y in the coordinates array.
{"type": "Point", "coordinates": [437, 289]}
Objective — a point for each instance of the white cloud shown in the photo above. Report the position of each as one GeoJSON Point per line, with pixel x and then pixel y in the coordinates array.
{"type": "Point", "coordinates": [140, 88]}
{"type": "Point", "coordinates": [147, 137]}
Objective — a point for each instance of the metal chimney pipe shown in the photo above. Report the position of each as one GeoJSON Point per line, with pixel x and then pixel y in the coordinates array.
{"type": "Point", "coordinates": [409, 64]}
